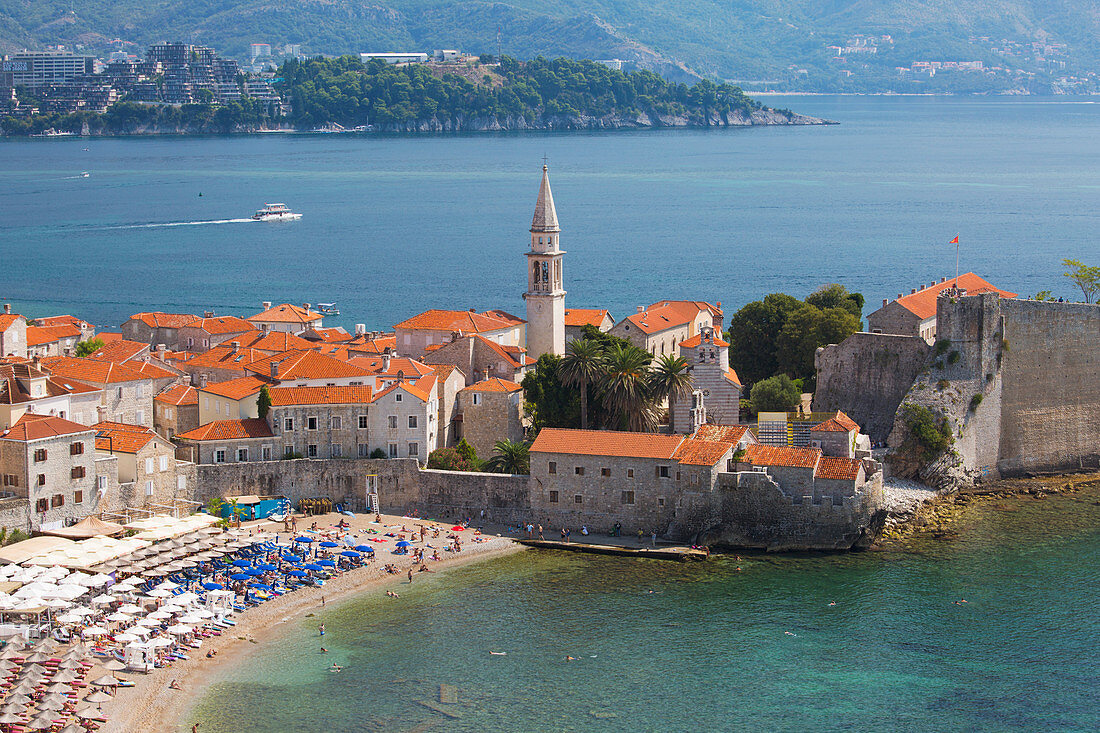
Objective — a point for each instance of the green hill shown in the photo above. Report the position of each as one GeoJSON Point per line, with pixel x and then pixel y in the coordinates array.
{"type": "Point", "coordinates": [783, 42]}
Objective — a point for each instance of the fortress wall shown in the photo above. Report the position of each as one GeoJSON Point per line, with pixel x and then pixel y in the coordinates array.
{"type": "Point", "coordinates": [866, 376]}
{"type": "Point", "coordinates": [1050, 412]}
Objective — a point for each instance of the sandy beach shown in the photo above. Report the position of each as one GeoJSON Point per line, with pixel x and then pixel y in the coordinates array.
{"type": "Point", "coordinates": [151, 705]}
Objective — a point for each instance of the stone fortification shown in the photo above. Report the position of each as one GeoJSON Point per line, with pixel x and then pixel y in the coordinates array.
{"type": "Point", "coordinates": [866, 376]}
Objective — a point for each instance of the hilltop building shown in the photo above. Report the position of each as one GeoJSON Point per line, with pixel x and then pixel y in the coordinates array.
{"type": "Point", "coordinates": [662, 326]}
{"type": "Point", "coordinates": [915, 314]}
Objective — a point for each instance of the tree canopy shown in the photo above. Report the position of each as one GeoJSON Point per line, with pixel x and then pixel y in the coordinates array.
{"type": "Point", "coordinates": [775, 394]}
{"type": "Point", "coordinates": [1085, 277]}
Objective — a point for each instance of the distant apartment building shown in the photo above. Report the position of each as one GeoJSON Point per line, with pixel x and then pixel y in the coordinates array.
{"type": "Point", "coordinates": [36, 69]}
{"type": "Point", "coordinates": [395, 57]}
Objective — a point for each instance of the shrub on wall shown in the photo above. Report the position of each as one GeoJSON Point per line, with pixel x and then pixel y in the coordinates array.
{"type": "Point", "coordinates": [975, 401]}
{"type": "Point", "coordinates": [929, 434]}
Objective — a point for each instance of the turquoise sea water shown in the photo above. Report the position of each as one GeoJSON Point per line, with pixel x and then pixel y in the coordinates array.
{"type": "Point", "coordinates": [395, 225]}
{"type": "Point", "coordinates": [671, 647]}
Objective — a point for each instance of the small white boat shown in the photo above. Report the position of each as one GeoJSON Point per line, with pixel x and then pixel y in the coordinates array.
{"type": "Point", "coordinates": [328, 309]}
{"type": "Point", "coordinates": [275, 212]}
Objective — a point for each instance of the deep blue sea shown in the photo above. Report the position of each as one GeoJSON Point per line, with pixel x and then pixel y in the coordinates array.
{"type": "Point", "coordinates": [396, 225]}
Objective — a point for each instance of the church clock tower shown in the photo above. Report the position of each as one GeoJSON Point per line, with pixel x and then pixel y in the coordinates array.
{"type": "Point", "coordinates": [545, 296]}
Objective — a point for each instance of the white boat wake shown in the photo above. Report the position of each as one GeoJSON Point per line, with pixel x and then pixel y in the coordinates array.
{"type": "Point", "coordinates": [182, 224]}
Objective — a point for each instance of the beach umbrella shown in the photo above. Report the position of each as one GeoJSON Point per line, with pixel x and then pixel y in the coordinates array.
{"type": "Point", "coordinates": [99, 579]}
{"type": "Point", "coordinates": [180, 629]}
{"type": "Point", "coordinates": [291, 558]}
{"type": "Point", "coordinates": [349, 553]}
{"type": "Point", "coordinates": [34, 669]}
{"type": "Point", "coordinates": [187, 598]}
{"type": "Point", "coordinates": [159, 641]}
{"type": "Point", "coordinates": [67, 618]}
{"type": "Point", "coordinates": [145, 622]}
{"type": "Point", "coordinates": [212, 586]}
{"type": "Point", "coordinates": [168, 585]}
{"type": "Point", "coordinates": [23, 687]}
{"type": "Point", "coordinates": [404, 543]}
{"type": "Point", "coordinates": [159, 615]}
{"type": "Point", "coordinates": [171, 608]}
{"type": "Point", "coordinates": [98, 697]}
{"type": "Point", "coordinates": [81, 611]}
{"type": "Point", "coordinates": [16, 698]}
{"type": "Point", "coordinates": [10, 718]}
{"type": "Point", "coordinates": [37, 657]}
{"type": "Point", "coordinates": [103, 599]}
{"type": "Point", "coordinates": [96, 631]}
{"type": "Point", "coordinates": [254, 572]}
{"type": "Point", "coordinates": [65, 676]}
{"type": "Point", "coordinates": [456, 528]}
{"type": "Point", "coordinates": [105, 681]}
{"type": "Point", "coordinates": [303, 539]}
{"type": "Point", "coordinates": [240, 576]}
{"type": "Point", "coordinates": [53, 699]}
{"type": "Point", "coordinates": [364, 548]}
{"type": "Point", "coordinates": [72, 728]}
{"type": "Point", "coordinates": [58, 687]}
{"type": "Point", "coordinates": [298, 573]}
{"type": "Point", "coordinates": [127, 637]}
{"type": "Point", "coordinates": [267, 567]}
{"type": "Point", "coordinates": [241, 564]}
{"type": "Point", "coordinates": [260, 586]}
{"type": "Point", "coordinates": [326, 563]}
{"type": "Point", "coordinates": [87, 713]}
{"type": "Point", "coordinates": [313, 566]}
{"type": "Point", "coordinates": [119, 616]}
{"type": "Point", "coordinates": [191, 618]}
{"type": "Point", "coordinates": [129, 608]}
{"type": "Point", "coordinates": [328, 543]}
{"type": "Point", "coordinates": [114, 666]}
{"type": "Point", "coordinates": [159, 592]}
{"type": "Point", "coordinates": [124, 587]}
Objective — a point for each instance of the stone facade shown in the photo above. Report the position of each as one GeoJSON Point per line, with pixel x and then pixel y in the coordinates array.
{"type": "Point", "coordinates": [55, 473]}
{"type": "Point", "coordinates": [156, 329]}
{"type": "Point", "coordinates": [709, 365]}
{"type": "Point", "coordinates": [480, 359]}
{"type": "Point", "coordinates": [449, 381]}
{"type": "Point", "coordinates": [545, 293]}
{"type": "Point", "coordinates": [321, 431]}
{"type": "Point", "coordinates": [894, 318]}
{"type": "Point", "coordinates": [205, 333]}
{"type": "Point", "coordinates": [171, 416]}
{"type": "Point", "coordinates": [13, 334]}
{"type": "Point", "coordinates": [403, 422]}
{"type": "Point", "coordinates": [491, 411]}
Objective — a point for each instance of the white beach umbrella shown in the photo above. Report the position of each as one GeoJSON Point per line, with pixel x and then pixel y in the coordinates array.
{"type": "Point", "coordinates": [70, 591]}
{"type": "Point", "coordinates": [119, 616]}
{"type": "Point", "coordinates": [68, 618]}
{"type": "Point", "coordinates": [103, 599]}
{"type": "Point", "coordinates": [159, 592]}
{"type": "Point", "coordinates": [186, 598]}
{"type": "Point", "coordinates": [96, 631]}
{"type": "Point", "coordinates": [170, 608]}
{"type": "Point", "coordinates": [147, 622]}
{"type": "Point", "coordinates": [159, 615]}
{"type": "Point", "coordinates": [100, 579]}
{"type": "Point", "coordinates": [82, 611]}
{"type": "Point", "coordinates": [190, 618]}
{"type": "Point", "coordinates": [126, 637]}
{"type": "Point", "coordinates": [160, 641]}
{"type": "Point", "coordinates": [56, 603]}
{"type": "Point", "coordinates": [180, 629]}
{"type": "Point", "coordinates": [129, 608]}
{"type": "Point", "coordinates": [123, 587]}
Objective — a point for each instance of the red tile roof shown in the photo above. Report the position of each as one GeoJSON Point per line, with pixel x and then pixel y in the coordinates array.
{"type": "Point", "coordinates": [235, 389]}
{"type": "Point", "coordinates": [410, 368]}
{"type": "Point", "coordinates": [846, 469]}
{"type": "Point", "coordinates": [92, 371]}
{"type": "Point", "coordinates": [577, 317]}
{"type": "Point", "coordinates": [156, 319]}
{"type": "Point", "coordinates": [923, 302]}
{"type": "Point", "coordinates": [229, 430]}
{"type": "Point", "coordinates": [306, 365]}
{"type": "Point", "coordinates": [37, 335]}
{"type": "Point", "coordinates": [36, 427]}
{"type": "Point", "coordinates": [424, 388]}
{"type": "Point", "coordinates": [658, 319]}
{"type": "Point", "coordinates": [179, 394]}
{"type": "Point", "coordinates": [691, 308]}
{"type": "Point", "coordinates": [274, 341]}
{"type": "Point", "coordinates": [838, 423]}
{"type": "Point", "coordinates": [493, 384]}
{"type": "Point", "coordinates": [695, 452]}
{"type": "Point", "coordinates": [286, 313]}
{"type": "Point", "coordinates": [223, 357]}
{"type": "Point", "coordinates": [606, 443]}
{"type": "Point", "coordinates": [62, 320]}
{"type": "Point", "coordinates": [461, 321]}
{"type": "Point", "coordinates": [108, 337]}
{"type": "Point", "coordinates": [731, 375]}
{"type": "Point", "coordinates": [219, 325]}
{"type": "Point", "coordinates": [119, 350]}
{"type": "Point", "coordinates": [772, 455]}
{"type": "Point", "coordinates": [151, 371]}
{"type": "Point", "coordinates": [117, 437]}
{"type": "Point", "coordinates": [354, 395]}
{"type": "Point", "coordinates": [722, 433]}
{"type": "Point", "coordinates": [6, 319]}
{"type": "Point", "coordinates": [697, 339]}
{"type": "Point", "coordinates": [444, 371]}
{"type": "Point", "coordinates": [364, 345]}
{"type": "Point", "coordinates": [334, 335]}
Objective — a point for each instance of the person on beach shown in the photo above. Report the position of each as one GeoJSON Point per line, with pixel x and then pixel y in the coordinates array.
{"type": "Point", "coordinates": [195, 728]}
{"type": "Point", "coordinates": [564, 538]}
{"type": "Point", "coordinates": [323, 650]}
{"type": "Point", "coordinates": [410, 575]}
{"type": "Point", "coordinates": [173, 685]}
{"type": "Point", "coordinates": [321, 628]}
{"type": "Point", "coordinates": [540, 532]}
{"type": "Point", "coordinates": [584, 529]}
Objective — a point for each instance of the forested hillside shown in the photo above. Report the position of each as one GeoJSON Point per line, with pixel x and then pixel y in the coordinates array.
{"type": "Point", "coordinates": [837, 44]}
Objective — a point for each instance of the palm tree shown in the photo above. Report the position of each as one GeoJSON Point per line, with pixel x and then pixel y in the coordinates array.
{"type": "Point", "coordinates": [511, 457]}
{"type": "Point", "coordinates": [582, 365]}
{"type": "Point", "coordinates": [670, 380]}
{"type": "Point", "coordinates": [625, 387]}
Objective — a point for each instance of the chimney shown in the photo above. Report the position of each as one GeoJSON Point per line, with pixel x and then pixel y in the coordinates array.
{"type": "Point", "coordinates": [943, 279]}
{"type": "Point", "coordinates": [305, 306]}
{"type": "Point", "coordinates": [7, 308]}
{"type": "Point", "coordinates": [274, 370]}
{"type": "Point", "coordinates": [162, 353]}
{"type": "Point", "coordinates": [914, 290]}
{"type": "Point", "coordinates": [234, 346]}
{"type": "Point", "coordinates": [473, 310]}
{"type": "Point", "coordinates": [267, 305]}
{"type": "Point", "coordinates": [101, 413]}
{"type": "Point", "coordinates": [36, 362]}
{"type": "Point", "coordinates": [884, 302]}
{"type": "Point", "coordinates": [641, 309]}
{"type": "Point", "coordinates": [899, 296]}
{"type": "Point", "coordinates": [202, 381]}
{"type": "Point", "coordinates": [386, 361]}
{"type": "Point", "coordinates": [360, 329]}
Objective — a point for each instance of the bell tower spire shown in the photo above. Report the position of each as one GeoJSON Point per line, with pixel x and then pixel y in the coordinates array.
{"type": "Point", "coordinates": [545, 294]}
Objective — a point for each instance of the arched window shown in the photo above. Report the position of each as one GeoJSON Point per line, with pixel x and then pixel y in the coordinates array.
{"type": "Point", "coordinates": [536, 272]}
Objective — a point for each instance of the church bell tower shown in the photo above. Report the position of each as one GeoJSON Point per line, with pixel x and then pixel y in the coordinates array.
{"type": "Point", "coordinates": [545, 296]}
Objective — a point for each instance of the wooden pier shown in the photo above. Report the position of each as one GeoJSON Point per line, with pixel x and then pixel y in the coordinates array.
{"type": "Point", "coordinates": [680, 554]}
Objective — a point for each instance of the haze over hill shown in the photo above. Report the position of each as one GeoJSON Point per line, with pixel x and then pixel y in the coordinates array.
{"type": "Point", "coordinates": [809, 45]}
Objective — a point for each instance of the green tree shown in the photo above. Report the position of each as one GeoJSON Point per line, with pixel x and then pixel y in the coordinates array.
{"type": "Point", "coordinates": [263, 402]}
{"type": "Point", "coordinates": [805, 330]}
{"type": "Point", "coordinates": [753, 332]}
{"type": "Point", "coordinates": [670, 379]}
{"type": "Point", "coordinates": [88, 347]}
{"type": "Point", "coordinates": [236, 511]}
{"type": "Point", "coordinates": [214, 506]}
{"type": "Point", "coordinates": [378, 453]}
{"type": "Point", "coordinates": [775, 394]}
{"type": "Point", "coordinates": [510, 457]}
{"type": "Point", "coordinates": [1085, 277]}
{"type": "Point", "coordinates": [837, 296]}
{"type": "Point", "coordinates": [582, 366]}
{"type": "Point", "coordinates": [626, 390]}
{"type": "Point", "coordinates": [467, 451]}
{"type": "Point", "coordinates": [450, 459]}
{"type": "Point", "coordinates": [550, 403]}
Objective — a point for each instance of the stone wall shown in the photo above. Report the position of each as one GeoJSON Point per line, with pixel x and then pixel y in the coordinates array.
{"type": "Point", "coordinates": [866, 376]}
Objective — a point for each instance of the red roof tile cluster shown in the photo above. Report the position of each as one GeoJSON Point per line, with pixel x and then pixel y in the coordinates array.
{"type": "Point", "coordinates": [235, 389]}
{"type": "Point", "coordinates": [224, 356]}
{"type": "Point", "coordinates": [65, 320]}
{"type": "Point", "coordinates": [731, 375]}
{"type": "Point", "coordinates": [93, 371]}
{"type": "Point", "coordinates": [38, 335]}
{"type": "Point", "coordinates": [697, 339]}
{"type": "Point", "coordinates": [773, 455]}
{"type": "Point", "coordinates": [221, 325]}
{"type": "Point", "coordinates": [722, 433]}
{"type": "Point", "coordinates": [156, 319]}
{"type": "Point", "coordinates": [306, 365]}
{"type": "Point", "coordinates": [460, 321]}
{"type": "Point", "coordinates": [493, 384]}
{"type": "Point", "coordinates": [286, 313]}
{"type": "Point", "coordinates": [117, 437]}
{"type": "Point", "coordinates": [831, 467]}
{"type": "Point", "coordinates": [14, 376]}
{"type": "Point", "coordinates": [274, 341]}
{"type": "Point", "coordinates": [423, 389]}
{"type": "Point", "coordinates": [695, 452]}
{"type": "Point", "coordinates": [409, 368]}
{"type": "Point", "coordinates": [229, 430]}
{"type": "Point", "coordinates": [354, 395]}
{"type": "Point", "coordinates": [606, 443]}
{"type": "Point", "coordinates": [180, 395]}
{"type": "Point", "coordinates": [691, 308]}
{"type": "Point", "coordinates": [334, 335]}
{"type": "Point", "coordinates": [655, 320]}
{"type": "Point", "coordinates": [838, 423]}
{"type": "Point", "coordinates": [37, 427]}
{"type": "Point", "coordinates": [365, 345]}
{"type": "Point", "coordinates": [119, 350]}
{"type": "Point", "coordinates": [578, 317]}
{"type": "Point", "coordinates": [923, 302]}
{"type": "Point", "coordinates": [6, 319]}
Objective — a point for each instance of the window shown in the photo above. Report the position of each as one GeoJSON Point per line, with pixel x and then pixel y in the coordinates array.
{"type": "Point", "coordinates": [414, 449]}
{"type": "Point", "coordinates": [364, 450]}
{"type": "Point", "coordinates": [693, 478]}
{"type": "Point", "coordinates": [477, 398]}
{"type": "Point", "coordinates": [164, 463]}
{"type": "Point", "coordinates": [661, 471]}
{"type": "Point", "coordinates": [393, 450]}
{"type": "Point", "coordinates": [552, 467]}
{"type": "Point", "coordinates": [76, 449]}
{"type": "Point", "coordinates": [101, 483]}
{"type": "Point", "coordinates": [190, 342]}
{"type": "Point", "coordinates": [397, 397]}
{"type": "Point", "coordinates": [118, 393]}
{"type": "Point", "coordinates": [181, 483]}
{"type": "Point", "coordinates": [412, 421]}
{"type": "Point", "coordinates": [265, 453]}
{"type": "Point", "coordinates": [337, 423]}
{"type": "Point", "coordinates": [148, 488]}
{"type": "Point", "coordinates": [139, 416]}
{"type": "Point", "coordinates": [311, 423]}
{"type": "Point", "coordinates": [630, 473]}
{"type": "Point", "coordinates": [78, 497]}
{"type": "Point", "coordinates": [218, 407]}
{"type": "Point", "coordinates": [578, 470]}
{"type": "Point", "coordinates": [660, 501]}
{"type": "Point", "coordinates": [627, 497]}
{"type": "Point", "coordinates": [219, 456]}
{"type": "Point", "coordinates": [288, 424]}
{"type": "Point", "coordinates": [311, 450]}
{"type": "Point", "coordinates": [553, 497]}
{"type": "Point", "coordinates": [78, 472]}
{"type": "Point", "coordinates": [39, 455]}
{"type": "Point", "coordinates": [605, 472]}
{"type": "Point", "coordinates": [57, 500]}
{"type": "Point", "coordinates": [150, 465]}
{"type": "Point", "coordinates": [362, 422]}
{"type": "Point", "coordinates": [337, 450]}
{"type": "Point", "coordinates": [393, 421]}
{"type": "Point", "coordinates": [139, 390]}
{"type": "Point", "coordinates": [206, 402]}
{"type": "Point", "coordinates": [577, 499]}
{"type": "Point", "coordinates": [41, 480]}
{"type": "Point", "coordinates": [677, 475]}
{"type": "Point", "coordinates": [242, 455]}
{"type": "Point", "coordinates": [288, 450]}
{"type": "Point", "coordinates": [42, 505]}
{"type": "Point", "coordinates": [10, 479]}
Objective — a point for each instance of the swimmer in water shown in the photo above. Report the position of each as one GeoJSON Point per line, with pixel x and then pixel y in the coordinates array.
{"type": "Point", "coordinates": [336, 667]}
{"type": "Point", "coordinates": [789, 633]}
{"type": "Point", "coordinates": [833, 603]}
{"type": "Point", "coordinates": [570, 659]}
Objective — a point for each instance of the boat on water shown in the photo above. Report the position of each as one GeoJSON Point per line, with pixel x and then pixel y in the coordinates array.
{"type": "Point", "coordinates": [275, 212]}
{"type": "Point", "coordinates": [52, 132]}
{"type": "Point", "coordinates": [328, 309]}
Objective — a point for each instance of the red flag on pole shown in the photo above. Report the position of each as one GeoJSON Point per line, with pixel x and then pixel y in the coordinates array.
{"type": "Point", "coordinates": [955, 240]}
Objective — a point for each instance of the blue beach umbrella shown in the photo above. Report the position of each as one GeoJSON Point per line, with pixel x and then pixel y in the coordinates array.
{"type": "Point", "coordinates": [212, 586]}
{"type": "Point", "coordinates": [298, 573]}
{"type": "Point", "coordinates": [350, 553]}
{"type": "Point", "coordinates": [253, 572]}
{"type": "Point", "coordinates": [261, 586]}
{"type": "Point", "coordinates": [326, 563]}
{"type": "Point", "coordinates": [240, 563]}
{"type": "Point", "coordinates": [267, 567]}
{"type": "Point", "coordinates": [240, 576]}
{"type": "Point", "coordinates": [327, 543]}
{"type": "Point", "coordinates": [364, 548]}
{"type": "Point", "coordinates": [313, 566]}
{"type": "Point", "coordinates": [403, 543]}
{"type": "Point", "coordinates": [303, 539]}
{"type": "Point", "coordinates": [291, 558]}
